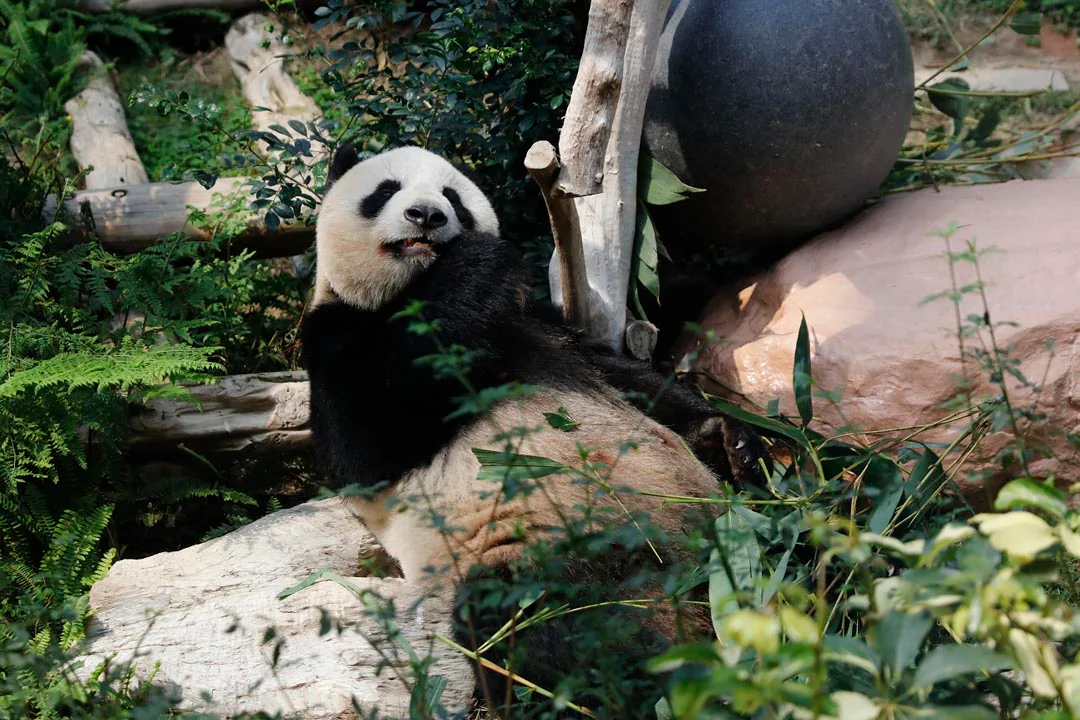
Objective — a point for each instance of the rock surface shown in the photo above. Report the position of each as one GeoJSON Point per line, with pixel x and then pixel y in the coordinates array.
{"type": "Point", "coordinates": [201, 613]}
{"type": "Point", "coordinates": [894, 360]}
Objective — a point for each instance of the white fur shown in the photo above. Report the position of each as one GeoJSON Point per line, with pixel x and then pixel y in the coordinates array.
{"type": "Point", "coordinates": [480, 517]}
{"type": "Point", "coordinates": [350, 263]}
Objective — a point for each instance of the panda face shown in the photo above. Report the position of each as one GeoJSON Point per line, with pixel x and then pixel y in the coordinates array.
{"type": "Point", "coordinates": [383, 221]}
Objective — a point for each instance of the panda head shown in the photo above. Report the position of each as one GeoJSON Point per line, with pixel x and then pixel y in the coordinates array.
{"type": "Point", "coordinates": [383, 221]}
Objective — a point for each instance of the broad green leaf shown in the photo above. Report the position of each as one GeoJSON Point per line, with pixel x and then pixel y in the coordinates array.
{"type": "Point", "coordinates": [561, 420]}
{"type": "Point", "coordinates": [1037, 659]}
{"type": "Point", "coordinates": [951, 661]}
{"type": "Point", "coordinates": [646, 260]}
{"type": "Point", "coordinates": [1019, 534]}
{"type": "Point", "coordinates": [942, 96]}
{"type": "Point", "coordinates": [1070, 540]}
{"type": "Point", "coordinates": [884, 476]}
{"type": "Point", "coordinates": [498, 464]}
{"type": "Point", "coordinates": [852, 651]}
{"type": "Point", "coordinates": [738, 552]}
{"type": "Point", "coordinates": [801, 377]}
{"type": "Point", "coordinates": [925, 481]}
{"type": "Point", "coordinates": [1026, 23]}
{"type": "Point", "coordinates": [899, 636]}
{"type": "Point", "coordinates": [1027, 493]}
{"type": "Point", "coordinates": [657, 185]}
{"type": "Point", "coordinates": [767, 424]}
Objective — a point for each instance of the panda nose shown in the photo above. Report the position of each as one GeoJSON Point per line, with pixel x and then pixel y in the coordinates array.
{"type": "Point", "coordinates": [425, 217]}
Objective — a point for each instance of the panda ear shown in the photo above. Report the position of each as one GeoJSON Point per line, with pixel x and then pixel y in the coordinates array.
{"type": "Point", "coordinates": [344, 158]}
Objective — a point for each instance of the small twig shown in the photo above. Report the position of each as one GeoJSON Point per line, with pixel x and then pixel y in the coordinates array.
{"type": "Point", "coordinates": [1001, 21]}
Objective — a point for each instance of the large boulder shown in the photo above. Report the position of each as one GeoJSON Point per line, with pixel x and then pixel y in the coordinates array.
{"type": "Point", "coordinates": [196, 620]}
{"type": "Point", "coordinates": [893, 359]}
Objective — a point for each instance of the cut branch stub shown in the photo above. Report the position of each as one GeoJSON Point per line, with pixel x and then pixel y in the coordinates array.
{"type": "Point", "coordinates": [590, 115]}
{"type": "Point", "coordinates": [543, 167]}
{"type": "Point", "coordinates": [99, 134]}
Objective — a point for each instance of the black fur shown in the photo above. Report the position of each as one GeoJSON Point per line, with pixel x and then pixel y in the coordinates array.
{"type": "Point", "coordinates": [464, 216]}
{"type": "Point", "coordinates": [373, 204]}
{"type": "Point", "coordinates": [344, 158]}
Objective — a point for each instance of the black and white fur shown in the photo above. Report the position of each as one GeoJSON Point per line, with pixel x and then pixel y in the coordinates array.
{"type": "Point", "coordinates": [406, 226]}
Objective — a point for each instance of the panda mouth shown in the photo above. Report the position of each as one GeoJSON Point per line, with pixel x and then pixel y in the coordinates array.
{"type": "Point", "coordinates": [413, 247]}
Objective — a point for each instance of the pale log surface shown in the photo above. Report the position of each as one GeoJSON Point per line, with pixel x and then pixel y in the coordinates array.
{"type": "Point", "coordinates": [177, 609]}
{"type": "Point", "coordinates": [99, 134]}
{"type": "Point", "coordinates": [134, 217]}
{"type": "Point", "coordinates": [152, 7]}
{"type": "Point", "coordinates": [255, 58]}
{"type": "Point", "coordinates": [583, 142]}
{"type": "Point", "coordinates": [255, 412]}
{"type": "Point", "coordinates": [543, 167]}
{"type": "Point", "coordinates": [607, 220]}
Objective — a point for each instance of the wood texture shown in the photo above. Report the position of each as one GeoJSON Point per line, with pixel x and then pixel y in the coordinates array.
{"type": "Point", "coordinates": [201, 612]}
{"type": "Point", "coordinates": [543, 167]}
{"type": "Point", "coordinates": [152, 7]}
{"type": "Point", "coordinates": [100, 139]}
{"type": "Point", "coordinates": [256, 58]}
{"type": "Point", "coordinates": [590, 115]}
{"type": "Point", "coordinates": [131, 218]}
{"type": "Point", "coordinates": [241, 413]}
{"type": "Point", "coordinates": [607, 220]}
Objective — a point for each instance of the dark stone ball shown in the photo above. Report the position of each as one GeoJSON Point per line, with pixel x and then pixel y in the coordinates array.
{"type": "Point", "coordinates": [790, 113]}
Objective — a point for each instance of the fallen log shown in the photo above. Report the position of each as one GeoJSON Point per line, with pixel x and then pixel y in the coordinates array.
{"type": "Point", "coordinates": [261, 412]}
{"type": "Point", "coordinates": [100, 140]}
{"type": "Point", "coordinates": [152, 7]}
{"type": "Point", "coordinates": [131, 218]}
{"type": "Point", "coordinates": [256, 59]}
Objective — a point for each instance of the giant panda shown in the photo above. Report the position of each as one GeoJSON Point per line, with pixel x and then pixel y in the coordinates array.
{"type": "Point", "coordinates": [406, 229]}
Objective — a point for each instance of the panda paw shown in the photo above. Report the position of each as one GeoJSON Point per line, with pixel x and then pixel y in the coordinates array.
{"type": "Point", "coordinates": [731, 448]}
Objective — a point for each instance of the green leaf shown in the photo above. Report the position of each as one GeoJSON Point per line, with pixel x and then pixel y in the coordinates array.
{"type": "Point", "coordinates": [1026, 23]}
{"type": "Point", "coordinates": [646, 259]}
{"type": "Point", "coordinates": [942, 96]}
{"type": "Point", "coordinates": [900, 635]}
{"type": "Point", "coordinates": [884, 476]}
{"type": "Point", "coordinates": [737, 563]}
{"type": "Point", "coordinates": [1027, 493]}
{"type": "Point", "coordinates": [951, 661]}
{"type": "Point", "coordinates": [1020, 534]}
{"type": "Point", "coordinates": [499, 464]}
{"type": "Point", "coordinates": [657, 185]}
{"type": "Point", "coordinates": [561, 420]}
{"type": "Point", "coordinates": [801, 379]}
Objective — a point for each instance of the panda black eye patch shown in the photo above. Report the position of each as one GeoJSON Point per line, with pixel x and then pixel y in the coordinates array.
{"type": "Point", "coordinates": [373, 204]}
{"type": "Point", "coordinates": [463, 215]}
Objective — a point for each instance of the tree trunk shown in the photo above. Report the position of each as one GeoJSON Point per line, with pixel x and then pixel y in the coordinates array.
{"type": "Point", "coordinates": [607, 217]}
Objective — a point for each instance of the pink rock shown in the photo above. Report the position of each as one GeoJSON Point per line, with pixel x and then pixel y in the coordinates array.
{"type": "Point", "coordinates": [894, 360]}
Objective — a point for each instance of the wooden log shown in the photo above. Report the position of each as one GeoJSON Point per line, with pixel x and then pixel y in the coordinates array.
{"type": "Point", "coordinates": [153, 7]}
{"type": "Point", "coordinates": [607, 220]}
{"type": "Point", "coordinates": [543, 167]}
{"type": "Point", "coordinates": [100, 140]}
{"type": "Point", "coordinates": [195, 621]}
{"type": "Point", "coordinates": [255, 55]}
{"type": "Point", "coordinates": [262, 412]}
{"type": "Point", "coordinates": [131, 218]}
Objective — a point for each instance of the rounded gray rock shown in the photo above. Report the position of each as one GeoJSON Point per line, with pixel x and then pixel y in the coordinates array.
{"type": "Point", "coordinates": [790, 113]}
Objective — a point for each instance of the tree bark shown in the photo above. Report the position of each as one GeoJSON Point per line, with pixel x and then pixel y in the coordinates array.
{"type": "Point", "coordinates": [607, 220]}
{"type": "Point", "coordinates": [152, 7]}
{"type": "Point", "coordinates": [99, 134]}
{"type": "Point", "coordinates": [255, 55]}
{"type": "Point", "coordinates": [131, 218]}
{"type": "Point", "coordinates": [260, 412]}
